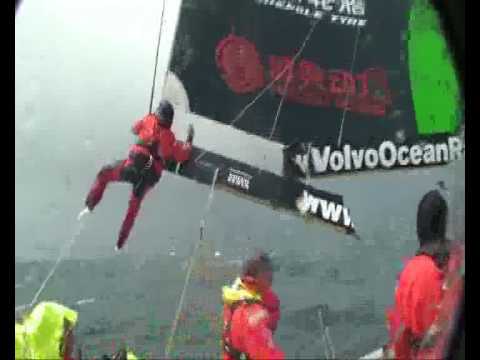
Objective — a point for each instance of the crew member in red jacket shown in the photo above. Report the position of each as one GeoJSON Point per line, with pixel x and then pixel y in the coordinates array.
{"type": "Point", "coordinates": [251, 313]}
{"type": "Point", "coordinates": [156, 145]}
{"type": "Point", "coordinates": [453, 289]}
{"type": "Point", "coordinates": [414, 321]}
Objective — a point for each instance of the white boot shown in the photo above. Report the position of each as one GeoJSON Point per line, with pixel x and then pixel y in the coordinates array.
{"type": "Point", "coordinates": [83, 212]}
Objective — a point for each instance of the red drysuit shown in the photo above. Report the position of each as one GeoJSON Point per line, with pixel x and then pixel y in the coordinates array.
{"type": "Point", "coordinates": [417, 302]}
{"type": "Point", "coordinates": [452, 295]}
{"type": "Point", "coordinates": [249, 327]}
{"type": "Point", "coordinates": [143, 168]}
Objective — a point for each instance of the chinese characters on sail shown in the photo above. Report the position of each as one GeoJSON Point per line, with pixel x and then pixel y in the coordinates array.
{"type": "Point", "coordinates": [302, 82]}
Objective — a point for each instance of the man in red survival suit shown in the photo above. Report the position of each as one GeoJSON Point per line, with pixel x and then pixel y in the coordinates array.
{"type": "Point", "coordinates": [251, 313]}
{"type": "Point", "coordinates": [155, 146]}
{"type": "Point", "coordinates": [417, 321]}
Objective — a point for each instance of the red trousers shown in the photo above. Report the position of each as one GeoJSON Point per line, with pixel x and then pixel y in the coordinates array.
{"type": "Point", "coordinates": [134, 171]}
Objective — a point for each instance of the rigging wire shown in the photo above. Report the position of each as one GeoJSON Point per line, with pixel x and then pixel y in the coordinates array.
{"type": "Point", "coordinates": [290, 67]}
{"type": "Point", "coordinates": [156, 58]}
{"type": "Point", "coordinates": [173, 330]}
{"type": "Point", "coordinates": [63, 252]}
{"type": "Point", "coordinates": [347, 96]}
{"type": "Point", "coordinates": [280, 104]}
{"type": "Point", "coordinates": [329, 349]}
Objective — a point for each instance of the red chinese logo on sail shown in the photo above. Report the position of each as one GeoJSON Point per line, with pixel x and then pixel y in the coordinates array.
{"type": "Point", "coordinates": [304, 83]}
{"type": "Point", "coordinates": [239, 62]}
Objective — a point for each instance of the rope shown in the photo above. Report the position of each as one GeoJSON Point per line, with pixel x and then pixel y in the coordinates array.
{"type": "Point", "coordinates": [280, 104]}
{"type": "Point", "coordinates": [347, 96]}
{"type": "Point", "coordinates": [261, 93]}
{"type": "Point", "coordinates": [329, 349]}
{"type": "Point", "coordinates": [289, 78]}
{"type": "Point", "coordinates": [63, 252]}
{"type": "Point", "coordinates": [169, 345]}
{"type": "Point", "coordinates": [156, 58]}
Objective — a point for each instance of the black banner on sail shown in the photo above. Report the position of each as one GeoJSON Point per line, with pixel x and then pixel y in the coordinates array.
{"type": "Point", "coordinates": [268, 188]}
{"type": "Point", "coordinates": [351, 73]}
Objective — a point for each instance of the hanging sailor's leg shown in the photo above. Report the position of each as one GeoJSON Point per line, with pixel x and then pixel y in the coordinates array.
{"type": "Point", "coordinates": [128, 170]}
{"type": "Point", "coordinates": [134, 204]}
{"type": "Point", "coordinates": [141, 187]}
{"type": "Point", "coordinates": [107, 174]}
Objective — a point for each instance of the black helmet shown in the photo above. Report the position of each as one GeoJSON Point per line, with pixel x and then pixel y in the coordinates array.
{"type": "Point", "coordinates": [165, 112]}
{"type": "Point", "coordinates": [432, 218]}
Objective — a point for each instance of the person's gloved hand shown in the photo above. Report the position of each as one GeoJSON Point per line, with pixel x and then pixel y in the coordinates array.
{"type": "Point", "coordinates": [191, 134]}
